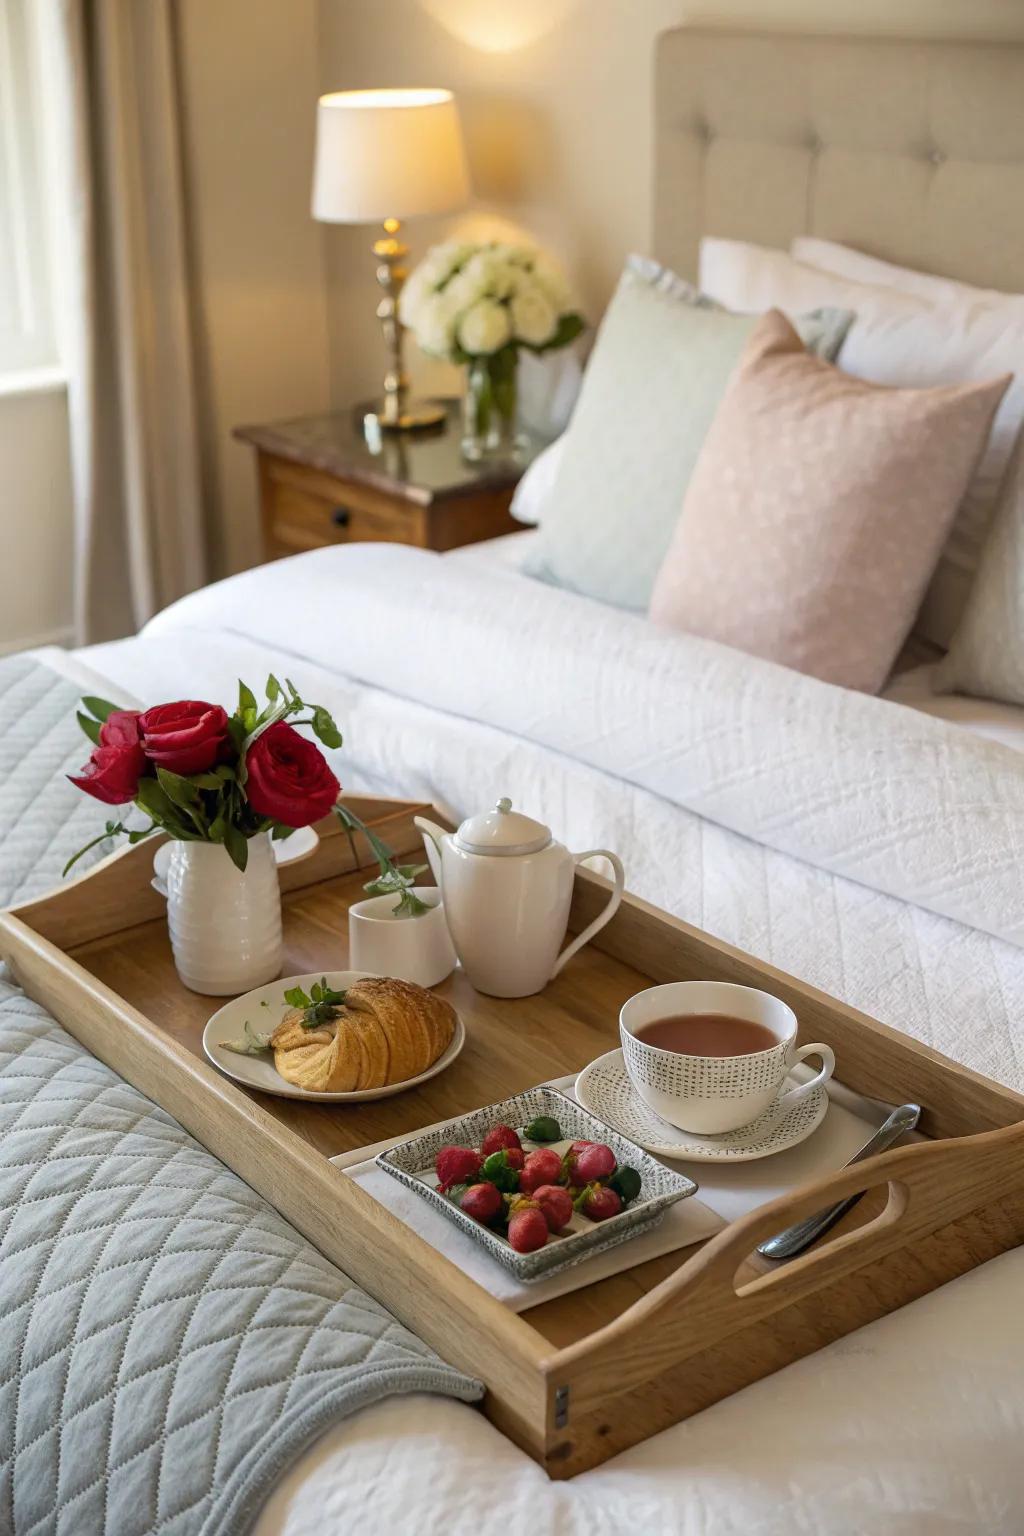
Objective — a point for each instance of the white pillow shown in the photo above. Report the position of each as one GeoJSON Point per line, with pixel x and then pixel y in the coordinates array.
{"type": "Point", "coordinates": [534, 489]}
{"type": "Point", "coordinates": [907, 336]}
{"type": "Point", "coordinates": [986, 659]}
{"type": "Point", "coordinates": [844, 261]}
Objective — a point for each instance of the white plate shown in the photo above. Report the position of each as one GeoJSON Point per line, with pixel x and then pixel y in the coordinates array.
{"type": "Point", "coordinates": [605, 1089]}
{"type": "Point", "coordinates": [228, 1023]}
{"type": "Point", "coordinates": [287, 850]}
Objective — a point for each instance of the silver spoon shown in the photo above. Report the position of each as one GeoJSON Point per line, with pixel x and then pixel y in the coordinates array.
{"type": "Point", "coordinates": [787, 1244]}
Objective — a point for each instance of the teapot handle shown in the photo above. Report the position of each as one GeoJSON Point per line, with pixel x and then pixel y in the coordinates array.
{"type": "Point", "coordinates": [606, 915]}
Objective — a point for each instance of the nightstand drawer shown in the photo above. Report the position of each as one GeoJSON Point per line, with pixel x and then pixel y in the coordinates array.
{"type": "Point", "coordinates": [322, 482]}
{"type": "Point", "coordinates": [306, 509]}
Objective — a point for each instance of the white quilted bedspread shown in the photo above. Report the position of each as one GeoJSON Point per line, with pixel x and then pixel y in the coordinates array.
{"type": "Point", "coordinates": [615, 747]}
{"type": "Point", "coordinates": [903, 803]}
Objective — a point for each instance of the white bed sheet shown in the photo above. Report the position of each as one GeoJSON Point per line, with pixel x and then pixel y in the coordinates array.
{"type": "Point", "coordinates": [913, 688]}
{"type": "Point", "coordinates": [912, 1426]}
{"type": "Point", "coordinates": [907, 1428]}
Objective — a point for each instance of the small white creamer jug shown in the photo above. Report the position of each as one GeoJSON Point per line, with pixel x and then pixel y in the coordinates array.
{"type": "Point", "coordinates": [507, 885]}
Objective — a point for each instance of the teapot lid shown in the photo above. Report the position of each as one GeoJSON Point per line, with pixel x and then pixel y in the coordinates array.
{"type": "Point", "coordinates": [502, 831]}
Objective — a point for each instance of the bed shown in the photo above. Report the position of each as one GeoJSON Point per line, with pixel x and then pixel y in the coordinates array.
{"type": "Point", "coordinates": [913, 1425]}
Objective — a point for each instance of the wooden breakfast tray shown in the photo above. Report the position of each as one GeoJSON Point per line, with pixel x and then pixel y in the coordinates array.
{"type": "Point", "coordinates": [576, 1379]}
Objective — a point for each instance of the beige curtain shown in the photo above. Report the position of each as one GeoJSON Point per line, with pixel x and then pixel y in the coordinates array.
{"type": "Point", "coordinates": [125, 311]}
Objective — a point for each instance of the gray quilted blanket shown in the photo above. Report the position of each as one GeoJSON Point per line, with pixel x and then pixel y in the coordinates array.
{"type": "Point", "coordinates": [168, 1344]}
{"type": "Point", "coordinates": [43, 818]}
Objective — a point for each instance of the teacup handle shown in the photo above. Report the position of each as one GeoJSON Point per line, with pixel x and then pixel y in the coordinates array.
{"type": "Point", "coordinates": [605, 915]}
{"type": "Point", "coordinates": [803, 1090]}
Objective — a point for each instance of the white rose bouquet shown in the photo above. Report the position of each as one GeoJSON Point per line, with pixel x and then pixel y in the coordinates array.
{"type": "Point", "coordinates": [478, 305]}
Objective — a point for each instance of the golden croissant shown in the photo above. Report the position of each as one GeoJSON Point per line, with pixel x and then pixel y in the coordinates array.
{"type": "Point", "coordinates": [386, 1032]}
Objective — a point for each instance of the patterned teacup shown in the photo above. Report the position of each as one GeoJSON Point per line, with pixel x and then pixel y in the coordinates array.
{"type": "Point", "coordinates": [709, 1095]}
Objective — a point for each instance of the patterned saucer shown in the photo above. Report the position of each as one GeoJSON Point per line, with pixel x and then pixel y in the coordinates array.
{"type": "Point", "coordinates": [605, 1089]}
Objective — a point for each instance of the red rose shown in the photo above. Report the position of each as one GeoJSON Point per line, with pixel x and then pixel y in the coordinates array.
{"type": "Point", "coordinates": [113, 771]}
{"type": "Point", "coordinates": [186, 737]}
{"type": "Point", "coordinates": [288, 778]}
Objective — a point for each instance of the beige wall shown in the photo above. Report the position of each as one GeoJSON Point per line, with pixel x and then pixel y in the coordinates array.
{"type": "Point", "coordinates": [249, 80]}
{"type": "Point", "coordinates": [556, 101]}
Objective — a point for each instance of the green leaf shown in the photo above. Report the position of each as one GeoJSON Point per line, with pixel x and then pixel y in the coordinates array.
{"type": "Point", "coordinates": [410, 905]}
{"type": "Point", "coordinates": [90, 727]}
{"type": "Point", "coordinates": [568, 328]}
{"type": "Point", "coordinates": [273, 688]}
{"type": "Point", "coordinates": [324, 728]}
{"type": "Point", "coordinates": [179, 789]}
{"type": "Point", "coordinates": [246, 700]}
{"type": "Point", "coordinates": [237, 732]}
{"type": "Point", "coordinates": [101, 708]}
{"type": "Point", "coordinates": [237, 846]}
{"type": "Point", "coordinates": [140, 836]}
{"type": "Point", "coordinates": [182, 792]}
{"type": "Point", "coordinates": [155, 800]}
{"type": "Point", "coordinates": [208, 780]}
{"type": "Point", "coordinates": [280, 832]}
{"type": "Point", "coordinates": [217, 828]}
{"type": "Point", "coordinates": [297, 998]}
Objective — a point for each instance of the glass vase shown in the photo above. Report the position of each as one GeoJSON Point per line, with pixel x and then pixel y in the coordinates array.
{"type": "Point", "coordinates": [225, 925]}
{"type": "Point", "coordinates": [490, 407]}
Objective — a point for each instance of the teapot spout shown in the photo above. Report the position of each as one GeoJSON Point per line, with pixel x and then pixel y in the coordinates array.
{"type": "Point", "coordinates": [432, 835]}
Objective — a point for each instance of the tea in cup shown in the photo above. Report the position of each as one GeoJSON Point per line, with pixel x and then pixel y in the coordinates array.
{"type": "Point", "coordinates": [711, 1056]}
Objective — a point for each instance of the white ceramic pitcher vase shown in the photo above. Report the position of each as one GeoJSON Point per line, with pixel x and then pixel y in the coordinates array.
{"type": "Point", "coordinates": [225, 924]}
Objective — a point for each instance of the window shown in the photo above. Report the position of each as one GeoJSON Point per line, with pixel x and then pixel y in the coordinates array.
{"type": "Point", "coordinates": [27, 340]}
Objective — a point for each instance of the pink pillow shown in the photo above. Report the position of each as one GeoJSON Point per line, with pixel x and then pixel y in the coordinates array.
{"type": "Point", "coordinates": [817, 510]}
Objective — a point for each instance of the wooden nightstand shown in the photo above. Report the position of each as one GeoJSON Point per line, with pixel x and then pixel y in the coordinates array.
{"type": "Point", "coordinates": [323, 482]}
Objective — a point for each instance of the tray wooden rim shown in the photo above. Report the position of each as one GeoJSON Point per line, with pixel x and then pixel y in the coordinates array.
{"type": "Point", "coordinates": [695, 1311]}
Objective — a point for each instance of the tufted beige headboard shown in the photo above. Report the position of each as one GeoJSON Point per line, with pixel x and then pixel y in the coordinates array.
{"type": "Point", "coordinates": [912, 150]}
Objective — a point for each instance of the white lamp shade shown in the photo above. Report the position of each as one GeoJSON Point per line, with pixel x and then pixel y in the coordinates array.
{"type": "Point", "coordinates": [388, 154]}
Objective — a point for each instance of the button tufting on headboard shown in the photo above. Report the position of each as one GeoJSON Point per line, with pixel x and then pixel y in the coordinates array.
{"type": "Point", "coordinates": [840, 137]}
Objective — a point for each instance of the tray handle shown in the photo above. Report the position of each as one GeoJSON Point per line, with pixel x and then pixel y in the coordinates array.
{"type": "Point", "coordinates": [930, 1185]}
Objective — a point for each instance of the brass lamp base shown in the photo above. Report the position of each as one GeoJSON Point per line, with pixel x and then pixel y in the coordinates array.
{"type": "Point", "coordinates": [396, 412]}
{"type": "Point", "coordinates": [413, 415]}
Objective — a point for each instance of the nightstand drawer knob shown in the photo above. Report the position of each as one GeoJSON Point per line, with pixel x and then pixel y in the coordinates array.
{"type": "Point", "coordinates": [341, 517]}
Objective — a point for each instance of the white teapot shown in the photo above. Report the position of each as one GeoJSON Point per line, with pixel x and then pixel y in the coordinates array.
{"type": "Point", "coordinates": [507, 885]}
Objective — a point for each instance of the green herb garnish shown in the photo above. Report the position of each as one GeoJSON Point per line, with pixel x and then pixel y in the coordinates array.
{"type": "Point", "coordinates": [250, 1044]}
{"type": "Point", "coordinates": [319, 1006]}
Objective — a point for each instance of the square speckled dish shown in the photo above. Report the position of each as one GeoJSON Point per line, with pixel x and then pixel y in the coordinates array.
{"type": "Point", "coordinates": [412, 1163]}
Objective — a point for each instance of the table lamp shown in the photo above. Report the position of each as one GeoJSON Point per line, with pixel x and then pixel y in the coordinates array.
{"type": "Point", "coordinates": [383, 156]}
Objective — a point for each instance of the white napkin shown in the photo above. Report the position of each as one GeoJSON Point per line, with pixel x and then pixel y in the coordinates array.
{"type": "Point", "coordinates": [726, 1191]}
{"type": "Point", "coordinates": [733, 1189]}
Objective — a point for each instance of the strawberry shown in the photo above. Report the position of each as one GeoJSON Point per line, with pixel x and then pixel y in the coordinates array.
{"type": "Point", "coordinates": [598, 1202]}
{"type": "Point", "coordinates": [515, 1157]}
{"type": "Point", "coordinates": [556, 1204]}
{"type": "Point", "coordinates": [499, 1136]}
{"type": "Point", "coordinates": [541, 1167]}
{"type": "Point", "coordinates": [527, 1229]}
{"type": "Point", "coordinates": [456, 1165]}
{"type": "Point", "coordinates": [482, 1202]}
{"type": "Point", "coordinates": [593, 1161]}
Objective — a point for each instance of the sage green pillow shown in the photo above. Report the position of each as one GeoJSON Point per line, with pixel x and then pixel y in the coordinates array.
{"type": "Point", "coordinates": [659, 366]}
